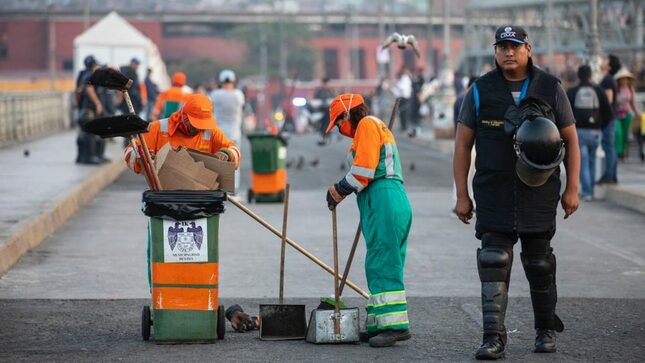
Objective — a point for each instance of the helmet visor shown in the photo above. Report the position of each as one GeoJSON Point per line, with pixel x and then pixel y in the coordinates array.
{"type": "Point", "coordinates": [531, 176]}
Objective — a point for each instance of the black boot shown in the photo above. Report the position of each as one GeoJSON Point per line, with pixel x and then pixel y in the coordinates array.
{"type": "Point", "coordinates": [388, 338]}
{"type": "Point", "coordinates": [494, 261]}
{"type": "Point", "coordinates": [494, 301]}
{"type": "Point", "coordinates": [544, 341]}
{"type": "Point", "coordinates": [492, 347]}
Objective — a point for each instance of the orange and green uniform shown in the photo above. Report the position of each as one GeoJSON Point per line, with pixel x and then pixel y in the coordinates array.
{"type": "Point", "coordinates": [169, 101]}
{"type": "Point", "coordinates": [166, 130]}
{"type": "Point", "coordinates": [386, 216]}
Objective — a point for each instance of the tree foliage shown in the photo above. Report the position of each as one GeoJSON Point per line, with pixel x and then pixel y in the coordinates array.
{"type": "Point", "coordinates": [301, 57]}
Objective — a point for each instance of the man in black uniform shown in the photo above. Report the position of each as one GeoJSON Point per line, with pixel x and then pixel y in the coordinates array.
{"type": "Point", "coordinates": [508, 206]}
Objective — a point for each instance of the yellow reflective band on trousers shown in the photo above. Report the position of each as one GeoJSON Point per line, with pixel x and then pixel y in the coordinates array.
{"type": "Point", "coordinates": [397, 320]}
{"type": "Point", "coordinates": [386, 217]}
{"type": "Point", "coordinates": [387, 298]}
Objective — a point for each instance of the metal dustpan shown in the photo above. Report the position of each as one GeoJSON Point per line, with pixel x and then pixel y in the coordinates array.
{"type": "Point", "coordinates": [123, 125]}
{"type": "Point", "coordinates": [337, 325]}
{"type": "Point", "coordinates": [280, 321]}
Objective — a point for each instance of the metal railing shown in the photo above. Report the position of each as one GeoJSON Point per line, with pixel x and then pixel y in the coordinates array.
{"type": "Point", "coordinates": [29, 115]}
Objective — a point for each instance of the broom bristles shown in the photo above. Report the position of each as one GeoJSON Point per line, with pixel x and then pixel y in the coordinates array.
{"type": "Point", "coordinates": [110, 78]}
{"type": "Point", "coordinates": [123, 125]}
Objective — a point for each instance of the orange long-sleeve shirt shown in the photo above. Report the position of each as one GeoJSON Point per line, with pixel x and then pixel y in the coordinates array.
{"type": "Point", "coordinates": [166, 131]}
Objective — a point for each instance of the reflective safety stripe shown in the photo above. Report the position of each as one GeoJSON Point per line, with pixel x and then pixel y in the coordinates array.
{"type": "Point", "coordinates": [389, 319]}
{"type": "Point", "coordinates": [131, 156]}
{"type": "Point", "coordinates": [387, 298]}
{"type": "Point", "coordinates": [389, 160]}
{"type": "Point", "coordinates": [353, 182]}
{"type": "Point", "coordinates": [163, 125]}
{"type": "Point", "coordinates": [207, 135]}
{"type": "Point", "coordinates": [350, 159]}
{"type": "Point", "coordinates": [378, 121]}
{"type": "Point", "coordinates": [359, 170]}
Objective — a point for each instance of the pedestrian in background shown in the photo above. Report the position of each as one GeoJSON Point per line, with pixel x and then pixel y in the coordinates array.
{"type": "Point", "coordinates": [610, 66]}
{"type": "Point", "coordinates": [228, 104]}
{"type": "Point", "coordinates": [171, 99]}
{"type": "Point", "coordinates": [90, 147]}
{"type": "Point", "coordinates": [415, 103]}
{"type": "Point", "coordinates": [386, 216]}
{"type": "Point", "coordinates": [323, 96]}
{"type": "Point", "coordinates": [403, 90]}
{"type": "Point", "coordinates": [592, 112]}
{"type": "Point", "coordinates": [134, 91]}
{"type": "Point", "coordinates": [514, 199]}
{"type": "Point", "coordinates": [152, 92]}
{"type": "Point", "coordinates": [626, 110]}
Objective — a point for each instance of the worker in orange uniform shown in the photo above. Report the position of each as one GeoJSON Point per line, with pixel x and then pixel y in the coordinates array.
{"type": "Point", "coordinates": [192, 126]}
{"type": "Point", "coordinates": [386, 216]}
{"type": "Point", "coordinates": [171, 99]}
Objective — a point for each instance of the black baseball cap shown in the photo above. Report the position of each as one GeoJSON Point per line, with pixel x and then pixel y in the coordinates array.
{"type": "Point", "coordinates": [511, 33]}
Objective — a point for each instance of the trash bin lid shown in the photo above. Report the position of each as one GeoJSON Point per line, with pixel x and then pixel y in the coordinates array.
{"type": "Point", "coordinates": [183, 204]}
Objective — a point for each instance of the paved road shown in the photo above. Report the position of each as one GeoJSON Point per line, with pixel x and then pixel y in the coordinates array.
{"type": "Point", "coordinates": [100, 255]}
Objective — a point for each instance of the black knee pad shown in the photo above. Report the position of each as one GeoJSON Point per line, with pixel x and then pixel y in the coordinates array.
{"type": "Point", "coordinates": [494, 263]}
{"type": "Point", "coordinates": [539, 264]}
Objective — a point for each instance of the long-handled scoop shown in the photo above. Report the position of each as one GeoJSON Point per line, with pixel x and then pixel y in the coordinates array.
{"type": "Point", "coordinates": [283, 322]}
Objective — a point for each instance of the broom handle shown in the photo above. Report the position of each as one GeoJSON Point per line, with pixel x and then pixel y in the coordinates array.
{"type": "Point", "coordinates": [395, 110]}
{"type": "Point", "coordinates": [147, 158]}
{"type": "Point", "coordinates": [293, 244]}
{"type": "Point", "coordinates": [146, 171]}
{"type": "Point", "coordinates": [283, 246]}
{"type": "Point", "coordinates": [336, 297]}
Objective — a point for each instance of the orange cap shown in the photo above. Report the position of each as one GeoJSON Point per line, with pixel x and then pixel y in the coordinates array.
{"type": "Point", "coordinates": [341, 104]}
{"type": "Point", "coordinates": [199, 110]}
{"type": "Point", "coordinates": [179, 79]}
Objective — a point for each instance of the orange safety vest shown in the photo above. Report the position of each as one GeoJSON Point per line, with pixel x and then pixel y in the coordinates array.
{"type": "Point", "coordinates": [172, 94]}
{"type": "Point", "coordinates": [165, 131]}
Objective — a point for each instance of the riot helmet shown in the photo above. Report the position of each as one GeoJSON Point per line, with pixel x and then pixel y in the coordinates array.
{"type": "Point", "coordinates": [539, 149]}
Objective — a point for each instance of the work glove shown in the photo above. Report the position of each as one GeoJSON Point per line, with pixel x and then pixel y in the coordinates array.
{"type": "Point", "coordinates": [222, 156]}
{"type": "Point", "coordinates": [240, 321]}
{"type": "Point", "coordinates": [334, 197]}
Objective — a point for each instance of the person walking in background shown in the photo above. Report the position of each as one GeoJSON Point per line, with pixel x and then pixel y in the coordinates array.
{"type": "Point", "coordinates": [152, 92]}
{"type": "Point", "coordinates": [171, 99]}
{"type": "Point", "coordinates": [403, 90]}
{"type": "Point", "coordinates": [135, 92]}
{"type": "Point", "coordinates": [90, 147]}
{"type": "Point", "coordinates": [610, 66]}
{"type": "Point", "coordinates": [626, 111]}
{"type": "Point", "coordinates": [415, 103]}
{"type": "Point", "coordinates": [228, 104]}
{"type": "Point", "coordinates": [323, 95]}
{"type": "Point", "coordinates": [592, 112]}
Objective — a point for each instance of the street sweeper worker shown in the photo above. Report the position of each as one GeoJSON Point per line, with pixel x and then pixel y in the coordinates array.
{"type": "Point", "coordinates": [171, 99]}
{"type": "Point", "coordinates": [385, 214]}
{"type": "Point", "coordinates": [192, 126]}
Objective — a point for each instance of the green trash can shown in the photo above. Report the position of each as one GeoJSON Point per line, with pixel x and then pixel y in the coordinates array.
{"type": "Point", "coordinates": [184, 266]}
{"type": "Point", "coordinates": [269, 167]}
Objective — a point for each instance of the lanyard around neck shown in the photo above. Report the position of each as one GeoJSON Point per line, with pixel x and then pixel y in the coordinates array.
{"type": "Point", "coordinates": [525, 87]}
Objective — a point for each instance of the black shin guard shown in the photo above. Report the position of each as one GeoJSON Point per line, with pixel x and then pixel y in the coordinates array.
{"type": "Point", "coordinates": [494, 261]}
{"type": "Point", "coordinates": [540, 266]}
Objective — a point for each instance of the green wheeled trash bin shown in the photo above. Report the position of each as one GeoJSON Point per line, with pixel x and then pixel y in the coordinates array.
{"type": "Point", "coordinates": [269, 167]}
{"type": "Point", "coordinates": [184, 266]}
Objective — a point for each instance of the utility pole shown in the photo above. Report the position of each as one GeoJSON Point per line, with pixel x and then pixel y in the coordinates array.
{"type": "Point", "coordinates": [263, 73]}
{"type": "Point", "coordinates": [595, 52]}
{"type": "Point", "coordinates": [283, 43]}
{"type": "Point", "coordinates": [86, 15]}
{"type": "Point", "coordinates": [51, 30]}
{"type": "Point", "coordinates": [429, 37]}
{"type": "Point", "coordinates": [446, 35]}
{"type": "Point", "coordinates": [549, 33]}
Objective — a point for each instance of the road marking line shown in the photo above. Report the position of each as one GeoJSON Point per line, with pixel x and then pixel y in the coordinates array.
{"type": "Point", "coordinates": [611, 249]}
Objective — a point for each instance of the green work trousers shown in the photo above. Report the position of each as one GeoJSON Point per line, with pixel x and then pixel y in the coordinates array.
{"type": "Point", "coordinates": [386, 217]}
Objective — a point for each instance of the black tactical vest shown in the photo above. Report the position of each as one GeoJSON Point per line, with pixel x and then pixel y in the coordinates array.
{"type": "Point", "coordinates": [504, 203]}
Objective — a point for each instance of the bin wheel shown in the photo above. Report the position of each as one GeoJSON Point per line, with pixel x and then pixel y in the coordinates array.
{"type": "Point", "coordinates": [249, 196]}
{"type": "Point", "coordinates": [221, 320]}
{"type": "Point", "coordinates": [145, 323]}
{"type": "Point", "coordinates": [281, 196]}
